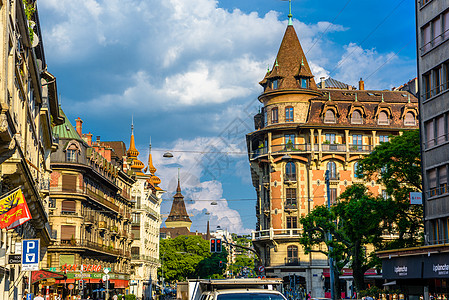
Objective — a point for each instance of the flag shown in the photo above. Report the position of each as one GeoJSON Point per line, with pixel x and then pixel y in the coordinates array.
{"type": "Point", "coordinates": [13, 210]}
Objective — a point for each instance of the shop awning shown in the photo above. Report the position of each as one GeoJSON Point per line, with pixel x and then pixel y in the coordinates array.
{"type": "Point", "coordinates": [120, 283]}
{"type": "Point", "coordinates": [44, 274]}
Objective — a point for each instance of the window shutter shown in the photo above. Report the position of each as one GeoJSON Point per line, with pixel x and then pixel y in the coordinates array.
{"type": "Point", "coordinates": [68, 183]}
{"type": "Point", "coordinates": [68, 206]}
{"type": "Point", "coordinates": [67, 232]}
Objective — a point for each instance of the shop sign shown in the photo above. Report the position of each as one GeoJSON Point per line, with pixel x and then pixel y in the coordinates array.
{"type": "Point", "coordinates": [85, 268]}
{"type": "Point", "coordinates": [436, 266]}
{"type": "Point", "coordinates": [402, 267]}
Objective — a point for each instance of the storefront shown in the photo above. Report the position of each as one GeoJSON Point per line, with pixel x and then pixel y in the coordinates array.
{"type": "Point", "coordinates": [419, 272]}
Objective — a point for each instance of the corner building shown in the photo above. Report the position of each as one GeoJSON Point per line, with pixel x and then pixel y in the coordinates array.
{"type": "Point", "coordinates": [301, 132]}
{"type": "Point", "coordinates": [89, 212]}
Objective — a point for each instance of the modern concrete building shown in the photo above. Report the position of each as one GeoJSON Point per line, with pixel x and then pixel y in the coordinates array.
{"type": "Point", "coordinates": [146, 222]}
{"type": "Point", "coordinates": [28, 110]}
{"type": "Point", "coordinates": [90, 213]}
{"type": "Point", "coordinates": [302, 132]}
{"type": "Point", "coordinates": [424, 271]}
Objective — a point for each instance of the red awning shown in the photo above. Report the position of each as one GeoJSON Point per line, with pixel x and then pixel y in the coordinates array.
{"type": "Point", "coordinates": [120, 283]}
{"type": "Point", "coordinates": [44, 274]}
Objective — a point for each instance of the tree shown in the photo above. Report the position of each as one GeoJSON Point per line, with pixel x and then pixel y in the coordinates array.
{"type": "Point", "coordinates": [353, 223]}
{"type": "Point", "coordinates": [188, 257]}
{"type": "Point", "coordinates": [397, 165]}
{"type": "Point", "coordinates": [359, 220]}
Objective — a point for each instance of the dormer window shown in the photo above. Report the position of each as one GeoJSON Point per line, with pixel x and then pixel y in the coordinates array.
{"type": "Point", "coordinates": [356, 117]}
{"type": "Point", "coordinates": [329, 117]}
{"type": "Point", "coordinates": [303, 83]}
{"type": "Point", "coordinates": [275, 84]}
{"type": "Point", "coordinates": [383, 118]}
{"type": "Point", "coordinates": [409, 119]}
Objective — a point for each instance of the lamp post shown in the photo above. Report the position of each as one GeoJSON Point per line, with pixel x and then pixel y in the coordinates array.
{"type": "Point", "coordinates": [331, 260]}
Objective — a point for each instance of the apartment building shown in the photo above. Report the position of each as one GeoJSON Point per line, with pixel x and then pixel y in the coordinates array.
{"type": "Point", "coordinates": [28, 110]}
{"type": "Point", "coordinates": [303, 131]}
{"type": "Point", "coordinates": [90, 213]}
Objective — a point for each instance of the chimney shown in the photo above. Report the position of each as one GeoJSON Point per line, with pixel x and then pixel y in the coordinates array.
{"type": "Point", "coordinates": [79, 126]}
{"type": "Point", "coordinates": [98, 139]}
{"type": "Point", "coordinates": [89, 139]}
{"type": "Point", "coordinates": [361, 85]}
{"type": "Point", "coordinates": [323, 84]}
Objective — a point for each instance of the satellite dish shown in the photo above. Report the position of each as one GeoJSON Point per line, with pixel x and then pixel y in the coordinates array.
{"type": "Point", "coordinates": [35, 40]}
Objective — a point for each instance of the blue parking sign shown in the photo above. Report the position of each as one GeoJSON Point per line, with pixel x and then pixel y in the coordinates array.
{"type": "Point", "coordinates": [30, 255]}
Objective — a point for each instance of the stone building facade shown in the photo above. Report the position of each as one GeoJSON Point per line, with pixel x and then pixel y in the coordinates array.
{"type": "Point", "coordinates": [28, 109]}
{"type": "Point", "coordinates": [90, 212]}
{"type": "Point", "coordinates": [302, 131]}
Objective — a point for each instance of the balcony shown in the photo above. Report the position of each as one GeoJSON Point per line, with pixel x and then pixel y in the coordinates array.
{"type": "Point", "coordinates": [123, 234]}
{"type": "Point", "coordinates": [292, 261]}
{"type": "Point", "coordinates": [290, 205]}
{"type": "Point", "coordinates": [102, 226]}
{"type": "Point", "coordinates": [74, 243]}
{"type": "Point", "coordinates": [275, 234]}
{"type": "Point", "coordinates": [89, 220]}
{"type": "Point", "coordinates": [114, 230]}
{"type": "Point", "coordinates": [95, 196]}
{"type": "Point", "coordinates": [290, 178]}
{"type": "Point", "coordinates": [360, 148]}
{"type": "Point", "coordinates": [333, 147]}
{"type": "Point", "coordinates": [291, 148]}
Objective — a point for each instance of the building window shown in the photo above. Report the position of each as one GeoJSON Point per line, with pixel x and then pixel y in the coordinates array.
{"type": "Point", "coordinates": [383, 138]}
{"type": "Point", "coordinates": [440, 130]}
{"type": "Point", "coordinates": [356, 117]}
{"type": "Point", "coordinates": [383, 118]}
{"type": "Point", "coordinates": [68, 234]}
{"type": "Point", "coordinates": [292, 222]}
{"type": "Point", "coordinates": [290, 171]}
{"type": "Point", "coordinates": [330, 138]}
{"type": "Point", "coordinates": [289, 140]}
{"type": "Point", "coordinates": [289, 114]}
{"type": "Point", "coordinates": [442, 180]}
{"type": "Point", "coordinates": [357, 142]}
{"type": "Point", "coordinates": [329, 117]}
{"type": "Point", "coordinates": [290, 198]}
{"type": "Point", "coordinates": [292, 255]}
{"type": "Point", "coordinates": [71, 155]}
{"type": "Point", "coordinates": [332, 168]}
{"type": "Point", "coordinates": [430, 134]}
{"type": "Point", "coordinates": [356, 170]}
{"type": "Point", "coordinates": [275, 84]}
{"type": "Point", "coordinates": [304, 83]}
{"type": "Point", "coordinates": [432, 178]}
{"type": "Point", "coordinates": [427, 86]}
{"type": "Point", "coordinates": [274, 115]}
{"type": "Point", "coordinates": [265, 118]}
{"type": "Point", "coordinates": [333, 195]}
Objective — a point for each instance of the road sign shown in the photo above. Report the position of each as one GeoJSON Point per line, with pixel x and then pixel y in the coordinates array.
{"type": "Point", "coordinates": [71, 286]}
{"type": "Point", "coordinates": [30, 255]}
{"type": "Point", "coordinates": [106, 270]}
{"type": "Point", "coordinates": [14, 259]}
{"type": "Point", "coordinates": [106, 277]}
{"type": "Point", "coordinates": [261, 269]}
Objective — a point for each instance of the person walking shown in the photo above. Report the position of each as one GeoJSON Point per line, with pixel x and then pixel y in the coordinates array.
{"type": "Point", "coordinates": [39, 297]}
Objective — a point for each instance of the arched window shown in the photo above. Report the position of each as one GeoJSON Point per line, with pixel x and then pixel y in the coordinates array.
{"type": "Point", "coordinates": [356, 170]}
{"type": "Point", "coordinates": [329, 117]}
{"type": "Point", "coordinates": [332, 168]}
{"type": "Point", "coordinates": [383, 118]}
{"type": "Point", "coordinates": [409, 119]}
{"type": "Point", "coordinates": [72, 153]}
{"type": "Point", "coordinates": [292, 255]}
{"type": "Point", "coordinates": [356, 117]}
{"type": "Point", "coordinates": [290, 171]}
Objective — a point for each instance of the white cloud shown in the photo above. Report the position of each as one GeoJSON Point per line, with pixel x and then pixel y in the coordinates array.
{"type": "Point", "coordinates": [200, 193]}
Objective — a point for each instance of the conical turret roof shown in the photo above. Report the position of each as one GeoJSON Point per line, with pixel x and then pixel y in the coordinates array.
{"type": "Point", "coordinates": [290, 64]}
{"type": "Point", "coordinates": [178, 212]}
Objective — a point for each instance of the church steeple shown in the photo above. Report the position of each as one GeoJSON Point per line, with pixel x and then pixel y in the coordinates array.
{"type": "Point", "coordinates": [132, 153]}
{"type": "Point", "coordinates": [178, 216]}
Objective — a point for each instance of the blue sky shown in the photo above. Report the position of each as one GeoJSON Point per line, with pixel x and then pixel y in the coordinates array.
{"type": "Point", "coordinates": [187, 71]}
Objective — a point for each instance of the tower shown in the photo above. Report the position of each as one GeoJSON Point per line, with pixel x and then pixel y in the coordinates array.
{"type": "Point", "coordinates": [178, 216]}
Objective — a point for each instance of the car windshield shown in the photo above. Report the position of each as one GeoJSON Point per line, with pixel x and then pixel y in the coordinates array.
{"type": "Point", "coordinates": [251, 296]}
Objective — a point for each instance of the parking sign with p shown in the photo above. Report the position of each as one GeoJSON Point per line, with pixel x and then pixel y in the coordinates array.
{"type": "Point", "coordinates": [30, 255]}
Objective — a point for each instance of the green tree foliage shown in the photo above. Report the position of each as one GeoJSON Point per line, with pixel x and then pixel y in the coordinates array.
{"type": "Point", "coordinates": [189, 257]}
{"type": "Point", "coordinates": [359, 220]}
{"type": "Point", "coordinates": [397, 165]}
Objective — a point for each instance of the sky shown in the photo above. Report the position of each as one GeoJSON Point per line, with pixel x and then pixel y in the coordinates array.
{"type": "Point", "coordinates": [186, 73]}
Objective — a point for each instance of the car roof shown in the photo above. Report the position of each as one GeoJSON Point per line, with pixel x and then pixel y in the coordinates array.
{"type": "Point", "coordinates": [234, 291]}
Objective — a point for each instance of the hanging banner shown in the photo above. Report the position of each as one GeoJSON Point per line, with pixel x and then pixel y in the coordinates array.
{"type": "Point", "coordinates": [13, 210]}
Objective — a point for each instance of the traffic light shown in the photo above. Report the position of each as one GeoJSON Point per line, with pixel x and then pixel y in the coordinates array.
{"type": "Point", "coordinates": [81, 284]}
{"type": "Point", "coordinates": [220, 263]}
{"type": "Point", "coordinates": [212, 246]}
{"type": "Point", "coordinates": [218, 245]}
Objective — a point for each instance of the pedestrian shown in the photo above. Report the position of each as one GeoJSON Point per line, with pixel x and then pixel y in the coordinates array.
{"type": "Point", "coordinates": [309, 296]}
{"type": "Point", "coordinates": [39, 297]}
{"type": "Point", "coordinates": [115, 297]}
